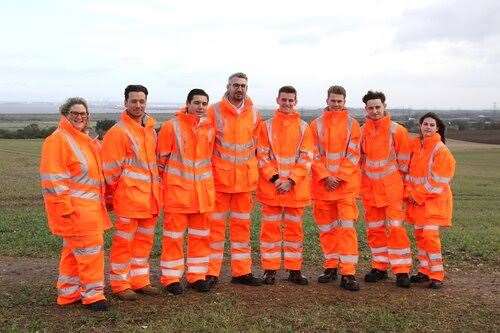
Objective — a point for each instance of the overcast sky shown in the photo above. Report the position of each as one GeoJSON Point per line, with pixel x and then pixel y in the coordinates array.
{"type": "Point", "coordinates": [420, 53]}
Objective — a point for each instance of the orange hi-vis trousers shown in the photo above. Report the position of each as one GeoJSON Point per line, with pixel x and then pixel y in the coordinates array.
{"type": "Point", "coordinates": [130, 250]}
{"type": "Point", "coordinates": [81, 270]}
{"type": "Point", "coordinates": [198, 251]}
{"type": "Point", "coordinates": [273, 219]}
{"type": "Point", "coordinates": [387, 238]}
{"type": "Point", "coordinates": [337, 234]}
{"type": "Point", "coordinates": [236, 207]}
{"type": "Point", "coordinates": [429, 251]}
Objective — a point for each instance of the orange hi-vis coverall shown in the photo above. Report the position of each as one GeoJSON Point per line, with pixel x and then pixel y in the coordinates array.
{"type": "Point", "coordinates": [284, 149]}
{"type": "Point", "coordinates": [337, 139]}
{"type": "Point", "coordinates": [74, 192]}
{"type": "Point", "coordinates": [385, 155]}
{"type": "Point", "coordinates": [235, 176]}
{"type": "Point", "coordinates": [185, 146]}
{"type": "Point", "coordinates": [131, 173]}
{"type": "Point", "coordinates": [428, 183]}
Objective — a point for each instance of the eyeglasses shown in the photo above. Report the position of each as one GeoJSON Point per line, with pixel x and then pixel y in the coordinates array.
{"type": "Point", "coordinates": [83, 115]}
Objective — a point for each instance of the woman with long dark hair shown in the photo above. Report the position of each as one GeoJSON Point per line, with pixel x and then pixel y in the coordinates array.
{"type": "Point", "coordinates": [429, 197]}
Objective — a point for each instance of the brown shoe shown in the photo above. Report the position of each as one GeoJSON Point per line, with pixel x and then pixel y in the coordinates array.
{"type": "Point", "coordinates": [148, 290]}
{"type": "Point", "coordinates": [127, 295]}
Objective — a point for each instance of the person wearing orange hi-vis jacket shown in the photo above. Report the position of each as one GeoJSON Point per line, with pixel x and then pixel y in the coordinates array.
{"type": "Point", "coordinates": [429, 197]}
{"type": "Point", "coordinates": [284, 151]}
{"type": "Point", "coordinates": [185, 145]}
{"type": "Point", "coordinates": [74, 196]}
{"type": "Point", "coordinates": [385, 155]}
{"type": "Point", "coordinates": [234, 162]}
{"type": "Point", "coordinates": [131, 173]}
{"type": "Point", "coordinates": [336, 181]}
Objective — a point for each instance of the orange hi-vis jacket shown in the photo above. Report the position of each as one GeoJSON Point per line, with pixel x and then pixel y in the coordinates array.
{"type": "Point", "coordinates": [130, 169]}
{"type": "Point", "coordinates": [428, 181]}
{"type": "Point", "coordinates": [337, 139]}
{"type": "Point", "coordinates": [234, 161]}
{"type": "Point", "coordinates": [285, 148]}
{"type": "Point", "coordinates": [184, 151]}
{"type": "Point", "coordinates": [72, 183]}
{"type": "Point", "coordinates": [385, 156]}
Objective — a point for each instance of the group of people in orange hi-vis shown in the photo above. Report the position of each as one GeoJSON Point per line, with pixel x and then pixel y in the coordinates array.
{"type": "Point", "coordinates": [202, 169]}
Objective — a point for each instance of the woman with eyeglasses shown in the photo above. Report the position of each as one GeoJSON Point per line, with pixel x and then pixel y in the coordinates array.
{"type": "Point", "coordinates": [429, 197]}
{"type": "Point", "coordinates": [73, 193]}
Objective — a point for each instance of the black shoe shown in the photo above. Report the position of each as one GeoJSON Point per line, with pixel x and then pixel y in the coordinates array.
{"type": "Point", "coordinates": [211, 280]}
{"type": "Point", "coordinates": [375, 275]}
{"type": "Point", "coordinates": [436, 284]}
{"type": "Point", "coordinates": [297, 278]}
{"type": "Point", "coordinates": [175, 288]}
{"type": "Point", "coordinates": [200, 286]}
{"type": "Point", "coordinates": [419, 278]}
{"type": "Point", "coordinates": [247, 279]}
{"type": "Point", "coordinates": [101, 305]}
{"type": "Point", "coordinates": [269, 276]}
{"type": "Point", "coordinates": [403, 280]}
{"type": "Point", "coordinates": [330, 274]}
{"type": "Point", "coordinates": [348, 282]}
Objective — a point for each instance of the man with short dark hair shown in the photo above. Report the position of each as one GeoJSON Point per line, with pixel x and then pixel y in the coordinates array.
{"type": "Point", "coordinates": [131, 173]}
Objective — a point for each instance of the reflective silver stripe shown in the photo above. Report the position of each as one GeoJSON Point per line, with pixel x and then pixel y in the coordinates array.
{"type": "Point", "coordinates": [240, 147]}
{"type": "Point", "coordinates": [216, 256]}
{"type": "Point", "coordinates": [423, 263]}
{"type": "Point", "coordinates": [284, 173]}
{"type": "Point", "coordinates": [119, 266]}
{"type": "Point", "coordinates": [334, 156]}
{"type": "Point", "coordinates": [293, 218]}
{"type": "Point", "coordinates": [430, 227]}
{"type": "Point", "coordinates": [349, 258]}
{"type": "Point", "coordinates": [263, 150]}
{"type": "Point", "coordinates": [135, 162]}
{"type": "Point", "coordinates": [92, 292]}
{"type": "Point", "coordinates": [240, 256]}
{"type": "Point", "coordinates": [188, 175]}
{"type": "Point", "coordinates": [136, 175]}
{"type": "Point", "coordinates": [59, 189]}
{"type": "Point", "coordinates": [292, 255]}
{"type": "Point", "coordinates": [234, 159]}
{"type": "Point", "coordinates": [432, 189]}
{"type": "Point", "coordinates": [403, 168]}
{"type": "Point", "coordinates": [272, 218]}
{"type": "Point", "coordinates": [85, 180]}
{"type": "Point", "coordinates": [416, 180]}
{"type": "Point", "coordinates": [269, 245]}
{"type": "Point", "coordinates": [172, 263]}
{"type": "Point", "coordinates": [146, 231]}
{"type": "Point", "coordinates": [95, 285]}
{"type": "Point", "coordinates": [54, 176]}
{"type": "Point", "coordinates": [270, 255]}
{"type": "Point", "coordinates": [84, 195]}
{"type": "Point", "coordinates": [294, 245]}
{"type": "Point", "coordinates": [220, 215]}
{"type": "Point", "coordinates": [353, 145]}
{"type": "Point", "coordinates": [173, 234]}
{"type": "Point", "coordinates": [379, 175]}
{"type": "Point", "coordinates": [77, 151]}
{"type": "Point", "coordinates": [189, 163]}
{"type": "Point", "coordinates": [353, 159]}
{"type": "Point", "coordinates": [240, 245]}
{"type": "Point", "coordinates": [376, 250]}
{"type": "Point", "coordinates": [403, 157]}
{"type": "Point", "coordinates": [135, 145]}
{"type": "Point", "coordinates": [404, 261]}
{"type": "Point", "coordinates": [437, 268]}
{"type": "Point", "coordinates": [112, 165]}
{"type": "Point", "coordinates": [118, 277]}
{"type": "Point", "coordinates": [68, 279]}
{"type": "Point", "coordinates": [241, 216]}
{"type": "Point", "coordinates": [399, 252]}
{"type": "Point", "coordinates": [172, 272]}
{"type": "Point", "coordinates": [422, 253]}
{"type": "Point", "coordinates": [333, 168]}
{"type": "Point", "coordinates": [346, 224]}
{"type": "Point", "coordinates": [439, 179]}
{"type": "Point", "coordinates": [139, 271]}
{"type": "Point", "coordinates": [332, 256]}
{"type": "Point", "coordinates": [68, 291]}
{"type": "Point", "coordinates": [380, 258]}
{"type": "Point", "coordinates": [217, 245]}
{"type": "Point", "coordinates": [285, 160]}
{"type": "Point", "coordinates": [197, 260]}
{"type": "Point", "coordinates": [87, 251]}
{"type": "Point", "coordinates": [219, 120]}
{"type": "Point", "coordinates": [435, 256]}
{"type": "Point", "coordinates": [139, 261]}
{"type": "Point", "coordinates": [125, 220]}
{"type": "Point", "coordinates": [199, 232]}
{"type": "Point", "coordinates": [124, 234]}
{"type": "Point", "coordinates": [394, 223]}
{"type": "Point", "coordinates": [197, 269]}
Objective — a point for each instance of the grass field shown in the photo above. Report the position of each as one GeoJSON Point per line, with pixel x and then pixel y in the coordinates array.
{"type": "Point", "coordinates": [28, 268]}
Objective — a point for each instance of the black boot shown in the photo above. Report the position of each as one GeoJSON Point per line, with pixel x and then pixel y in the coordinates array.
{"type": "Point", "coordinates": [200, 286]}
{"type": "Point", "coordinates": [101, 305]}
{"type": "Point", "coordinates": [247, 279]}
{"type": "Point", "coordinates": [330, 274]}
{"type": "Point", "coordinates": [436, 284]}
{"type": "Point", "coordinates": [348, 282]}
{"type": "Point", "coordinates": [375, 275]}
{"type": "Point", "coordinates": [297, 277]}
{"type": "Point", "coordinates": [419, 278]}
{"type": "Point", "coordinates": [269, 276]}
{"type": "Point", "coordinates": [211, 280]}
{"type": "Point", "coordinates": [175, 288]}
{"type": "Point", "coordinates": [403, 280]}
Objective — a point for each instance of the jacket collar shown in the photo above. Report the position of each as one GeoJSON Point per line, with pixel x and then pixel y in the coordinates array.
{"type": "Point", "coordinates": [149, 121]}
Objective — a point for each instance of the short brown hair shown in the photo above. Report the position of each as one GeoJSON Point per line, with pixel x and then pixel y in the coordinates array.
{"type": "Point", "coordinates": [338, 90]}
{"type": "Point", "coordinates": [288, 90]}
{"type": "Point", "coordinates": [66, 106]}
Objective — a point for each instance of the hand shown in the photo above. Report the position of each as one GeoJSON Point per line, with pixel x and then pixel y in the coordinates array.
{"type": "Point", "coordinates": [283, 185]}
{"type": "Point", "coordinates": [331, 183]}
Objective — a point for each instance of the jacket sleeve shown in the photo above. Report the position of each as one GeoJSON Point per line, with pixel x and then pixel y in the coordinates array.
{"type": "Point", "coordinates": [318, 167]}
{"type": "Point", "coordinates": [350, 162]}
{"type": "Point", "coordinates": [165, 146]}
{"type": "Point", "coordinates": [402, 147]}
{"type": "Point", "coordinates": [442, 171]}
{"type": "Point", "coordinates": [303, 166]}
{"type": "Point", "coordinates": [55, 176]}
{"type": "Point", "coordinates": [113, 154]}
{"type": "Point", "coordinates": [265, 154]}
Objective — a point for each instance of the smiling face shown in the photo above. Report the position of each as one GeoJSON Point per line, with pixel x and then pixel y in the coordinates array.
{"type": "Point", "coordinates": [78, 116]}
{"type": "Point", "coordinates": [375, 109]}
{"type": "Point", "coordinates": [135, 105]}
{"type": "Point", "coordinates": [198, 106]}
{"type": "Point", "coordinates": [335, 102]}
{"type": "Point", "coordinates": [428, 127]}
{"type": "Point", "coordinates": [286, 101]}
